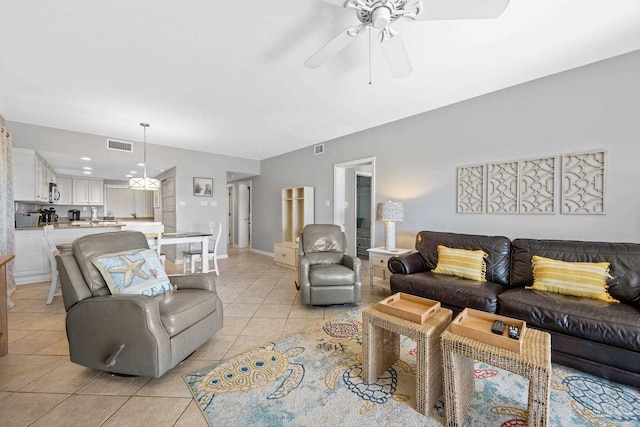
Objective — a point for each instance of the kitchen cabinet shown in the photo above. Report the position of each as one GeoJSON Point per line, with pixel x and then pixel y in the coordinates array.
{"type": "Point", "coordinates": [65, 188]}
{"type": "Point", "coordinates": [31, 176]}
{"type": "Point", "coordinates": [88, 191]}
{"type": "Point", "coordinates": [31, 264]}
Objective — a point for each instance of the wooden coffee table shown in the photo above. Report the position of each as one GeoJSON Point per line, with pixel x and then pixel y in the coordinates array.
{"type": "Point", "coordinates": [533, 362]}
{"type": "Point", "coordinates": [381, 349]}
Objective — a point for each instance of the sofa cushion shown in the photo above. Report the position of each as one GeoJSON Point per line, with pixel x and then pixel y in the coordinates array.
{"type": "Point", "coordinates": [331, 275]}
{"type": "Point", "coordinates": [592, 319]}
{"type": "Point", "coordinates": [137, 271]}
{"type": "Point", "coordinates": [462, 263]}
{"type": "Point", "coordinates": [623, 257]}
{"type": "Point", "coordinates": [452, 291]}
{"type": "Point", "coordinates": [498, 249]}
{"type": "Point", "coordinates": [626, 288]}
{"type": "Point", "coordinates": [184, 308]}
{"type": "Point", "coordinates": [582, 279]}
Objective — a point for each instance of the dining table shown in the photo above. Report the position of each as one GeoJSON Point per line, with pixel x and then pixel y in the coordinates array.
{"type": "Point", "coordinates": [173, 238]}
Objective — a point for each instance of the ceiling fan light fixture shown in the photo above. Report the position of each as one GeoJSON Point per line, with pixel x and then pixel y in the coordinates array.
{"type": "Point", "coordinates": [381, 17]}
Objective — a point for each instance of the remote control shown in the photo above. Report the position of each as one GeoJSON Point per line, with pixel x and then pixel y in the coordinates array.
{"type": "Point", "coordinates": [514, 332]}
{"type": "Point", "coordinates": [498, 327]}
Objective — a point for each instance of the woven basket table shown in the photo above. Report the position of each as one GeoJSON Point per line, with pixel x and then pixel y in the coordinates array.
{"type": "Point", "coordinates": [533, 362]}
{"type": "Point", "coordinates": [381, 349]}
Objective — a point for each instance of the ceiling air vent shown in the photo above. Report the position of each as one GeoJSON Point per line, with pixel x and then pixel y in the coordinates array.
{"type": "Point", "coordinates": [318, 149]}
{"type": "Point", "coordinates": [113, 144]}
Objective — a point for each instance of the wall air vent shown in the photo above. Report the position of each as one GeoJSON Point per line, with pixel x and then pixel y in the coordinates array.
{"type": "Point", "coordinates": [113, 144]}
{"type": "Point", "coordinates": [318, 149]}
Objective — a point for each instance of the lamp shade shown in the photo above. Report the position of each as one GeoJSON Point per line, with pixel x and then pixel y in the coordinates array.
{"type": "Point", "coordinates": [144, 183]}
{"type": "Point", "coordinates": [390, 211]}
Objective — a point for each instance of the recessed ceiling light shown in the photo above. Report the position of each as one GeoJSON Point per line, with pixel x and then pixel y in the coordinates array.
{"type": "Point", "coordinates": [140, 164]}
{"type": "Point", "coordinates": [87, 168]}
{"type": "Point", "coordinates": [133, 171]}
{"type": "Point", "coordinates": [86, 173]}
{"type": "Point", "coordinates": [128, 176]}
{"type": "Point", "coordinates": [85, 158]}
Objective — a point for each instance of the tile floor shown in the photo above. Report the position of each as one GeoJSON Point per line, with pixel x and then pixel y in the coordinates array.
{"type": "Point", "coordinates": [39, 386]}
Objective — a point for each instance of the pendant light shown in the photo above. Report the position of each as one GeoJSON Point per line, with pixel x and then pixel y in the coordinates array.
{"type": "Point", "coordinates": [144, 183]}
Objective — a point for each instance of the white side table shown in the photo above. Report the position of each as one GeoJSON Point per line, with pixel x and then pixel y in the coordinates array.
{"type": "Point", "coordinates": [378, 271]}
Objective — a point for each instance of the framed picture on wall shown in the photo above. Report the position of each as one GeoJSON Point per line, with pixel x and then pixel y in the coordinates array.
{"type": "Point", "coordinates": [156, 199]}
{"type": "Point", "coordinates": [203, 187]}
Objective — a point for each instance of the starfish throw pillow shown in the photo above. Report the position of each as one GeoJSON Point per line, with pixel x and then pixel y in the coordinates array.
{"type": "Point", "coordinates": [138, 271]}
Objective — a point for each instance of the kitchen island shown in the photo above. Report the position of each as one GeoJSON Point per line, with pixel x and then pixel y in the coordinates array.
{"type": "Point", "coordinates": [31, 263]}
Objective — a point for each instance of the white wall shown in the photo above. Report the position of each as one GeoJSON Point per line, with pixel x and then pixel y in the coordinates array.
{"type": "Point", "coordinates": [589, 108]}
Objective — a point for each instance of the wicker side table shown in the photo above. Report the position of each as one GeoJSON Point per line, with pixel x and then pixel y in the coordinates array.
{"type": "Point", "coordinates": [533, 362]}
{"type": "Point", "coordinates": [381, 349]}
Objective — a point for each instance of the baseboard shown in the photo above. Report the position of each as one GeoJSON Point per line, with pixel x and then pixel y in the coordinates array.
{"type": "Point", "coordinates": [258, 251]}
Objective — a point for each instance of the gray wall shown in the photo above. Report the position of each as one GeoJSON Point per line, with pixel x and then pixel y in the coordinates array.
{"type": "Point", "coordinates": [589, 108]}
{"type": "Point", "coordinates": [188, 164]}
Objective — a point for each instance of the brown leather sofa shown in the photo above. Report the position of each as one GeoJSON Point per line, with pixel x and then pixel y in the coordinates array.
{"type": "Point", "coordinates": [593, 336]}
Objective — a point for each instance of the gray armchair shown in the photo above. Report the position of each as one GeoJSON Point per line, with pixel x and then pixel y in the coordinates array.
{"type": "Point", "coordinates": [132, 334]}
{"type": "Point", "coordinates": [327, 275]}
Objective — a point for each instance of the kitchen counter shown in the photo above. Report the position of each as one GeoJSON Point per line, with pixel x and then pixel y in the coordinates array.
{"type": "Point", "coordinates": [75, 225]}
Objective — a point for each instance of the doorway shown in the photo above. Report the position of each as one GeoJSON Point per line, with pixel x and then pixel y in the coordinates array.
{"type": "Point", "coordinates": [363, 213]}
{"type": "Point", "coordinates": [345, 199]}
{"type": "Point", "coordinates": [244, 214]}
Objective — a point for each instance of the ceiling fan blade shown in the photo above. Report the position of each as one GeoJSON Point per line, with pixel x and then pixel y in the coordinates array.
{"type": "Point", "coordinates": [339, 3]}
{"type": "Point", "coordinates": [434, 10]}
{"type": "Point", "coordinates": [341, 41]}
{"type": "Point", "coordinates": [396, 55]}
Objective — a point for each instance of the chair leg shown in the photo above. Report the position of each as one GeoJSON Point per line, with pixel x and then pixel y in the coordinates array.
{"type": "Point", "coordinates": [184, 264]}
{"type": "Point", "coordinates": [54, 286]}
{"type": "Point", "coordinates": [193, 264]}
{"type": "Point", "coordinates": [215, 264]}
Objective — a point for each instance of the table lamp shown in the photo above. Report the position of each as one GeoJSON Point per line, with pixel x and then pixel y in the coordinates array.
{"type": "Point", "coordinates": [390, 212]}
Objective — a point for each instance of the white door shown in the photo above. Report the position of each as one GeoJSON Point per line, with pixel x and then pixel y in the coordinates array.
{"type": "Point", "coordinates": [243, 214]}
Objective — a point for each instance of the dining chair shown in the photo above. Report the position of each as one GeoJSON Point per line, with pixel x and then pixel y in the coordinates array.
{"type": "Point", "coordinates": [193, 254]}
{"type": "Point", "coordinates": [51, 249]}
{"type": "Point", "coordinates": [150, 229]}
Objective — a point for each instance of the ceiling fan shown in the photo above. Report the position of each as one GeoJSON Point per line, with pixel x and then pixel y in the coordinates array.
{"type": "Point", "coordinates": [381, 14]}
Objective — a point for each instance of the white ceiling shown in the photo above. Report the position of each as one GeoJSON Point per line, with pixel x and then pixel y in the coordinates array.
{"type": "Point", "coordinates": [227, 76]}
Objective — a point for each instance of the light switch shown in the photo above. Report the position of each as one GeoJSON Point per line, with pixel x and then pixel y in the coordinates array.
{"type": "Point", "coordinates": [182, 203]}
{"type": "Point", "coordinates": [203, 203]}
{"type": "Point", "coordinates": [327, 203]}
{"type": "Point", "coordinates": [214, 204]}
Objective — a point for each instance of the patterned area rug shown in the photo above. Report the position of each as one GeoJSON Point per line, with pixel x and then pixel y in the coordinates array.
{"type": "Point", "coordinates": [314, 378]}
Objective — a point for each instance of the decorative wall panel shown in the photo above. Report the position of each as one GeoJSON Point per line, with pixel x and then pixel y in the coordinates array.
{"type": "Point", "coordinates": [502, 187]}
{"type": "Point", "coordinates": [583, 183]}
{"type": "Point", "coordinates": [470, 189]}
{"type": "Point", "coordinates": [536, 186]}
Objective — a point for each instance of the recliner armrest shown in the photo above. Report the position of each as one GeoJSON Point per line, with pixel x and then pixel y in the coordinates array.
{"type": "Point", "coordinates": [407, 264]}
{"type": "Point", "coordinates": [205, 281]}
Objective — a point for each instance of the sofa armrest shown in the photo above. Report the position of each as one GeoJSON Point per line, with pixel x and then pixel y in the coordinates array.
{"type": "Point", "coordinates": [355, 264]}
{"type": "Point", "coordinates": [407, 264]}
{"type": "Point", "coordinates": [204, 281]}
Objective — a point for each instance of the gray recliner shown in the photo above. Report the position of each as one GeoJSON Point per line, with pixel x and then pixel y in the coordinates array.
{"type": "Point", "coordinates": [327, 275]}
{"type": "Point", "coordinates": [132, 334]}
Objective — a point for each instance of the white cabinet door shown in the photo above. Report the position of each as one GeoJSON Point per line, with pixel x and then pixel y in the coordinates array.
{"type": "Point", "coordinates": [31, 262]}
{"type": "Point", "coordinates": [80, 191]}
{"type": "Point", "coordinates": [65, 187]}
{"type": "Point", "coordinates": [96, 191]}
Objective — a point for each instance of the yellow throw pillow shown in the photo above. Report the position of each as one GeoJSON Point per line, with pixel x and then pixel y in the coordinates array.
{"type": "Point", "coordinates": [581, 279]}
{"type": "Point", "coordinates": [462, 263]}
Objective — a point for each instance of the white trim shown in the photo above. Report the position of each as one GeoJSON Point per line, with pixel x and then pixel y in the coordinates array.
{"type": "Point", "coordinates": [339, 191]}
{"type": "Point", "coordinates": [258, 251]}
